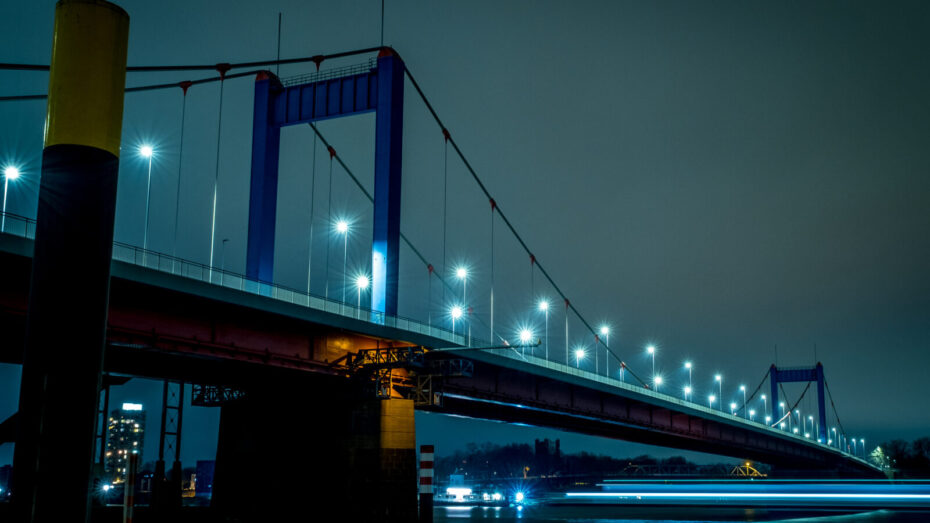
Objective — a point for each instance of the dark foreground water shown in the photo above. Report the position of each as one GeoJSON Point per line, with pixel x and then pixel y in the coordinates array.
{"type": "Point", "coordinates": [593, 514]}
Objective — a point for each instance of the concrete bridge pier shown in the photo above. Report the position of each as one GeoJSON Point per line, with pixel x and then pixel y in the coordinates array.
{"type": "Point", "coordinates": [294, 451]}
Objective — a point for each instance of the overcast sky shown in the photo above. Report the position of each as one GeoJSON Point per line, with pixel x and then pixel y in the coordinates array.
{"type": "Point", "coordinates": [717, 178]}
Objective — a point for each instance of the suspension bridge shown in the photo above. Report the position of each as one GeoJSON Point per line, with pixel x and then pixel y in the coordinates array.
{"type": "Point", "coordinates": [343, 358]}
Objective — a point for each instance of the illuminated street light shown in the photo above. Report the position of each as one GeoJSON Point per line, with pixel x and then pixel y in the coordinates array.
{"type": "Point", "coordinates": [733, 408]}
{"type": "Point", "coordinates": [768, 419]}
{"type": "Point", "coordinates": [765, 406]}
{"type": "Point", "coordinates": [795, 430]}
{"type": "Point", "coordinates": [752, 415]}
{"type": "Point", "coordinates": [362, 284]}
{"type": "Point", "coordinates": [462, 274]}
{"type": "Point", "coordinates": [525, 336]}
{"type": "Point", "coordinates": [743, 388]}
{"type": "Point", "coordinates": [579, 355]}
{"type": "Point", "coordinates": [147, 152]}
{"type": "Point", "coordinates": [342, 227]}
{"type": "Point", "coordinates": [9, 173]}
{"type": "Point", "coordinates": [652, 351]}
{"type": "Point", "coordinates": [687, 392]}
{"type": "Point", "coordinates": [719, 379]}
{"type": "Point", "coordinates": [605, 331]}
{"type": "Point", "coordinates": [456, 313]}
{"type": "Point", "coordinates": [710, 401]}
{"type": "Point", "coordinates": [544, 307]}
{"type": "Point", "coordinates": [658, 381]}
{"type": "Point", "coordinates": [688, 366]}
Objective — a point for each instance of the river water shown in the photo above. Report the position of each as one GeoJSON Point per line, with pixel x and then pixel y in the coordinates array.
{"type": "Point", "coordinates": [597, 514]}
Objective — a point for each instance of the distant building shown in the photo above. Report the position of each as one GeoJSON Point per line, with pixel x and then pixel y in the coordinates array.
{"type": "Point", "coordinates": [548, 456]}
{"type": "Point", "coordinates": [204, 483]}
{"type": "Point", "coordinates": [125, 435]}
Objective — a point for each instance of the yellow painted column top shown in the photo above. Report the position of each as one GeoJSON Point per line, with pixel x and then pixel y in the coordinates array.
{"type": "Point", "coordinates": [88, 75]}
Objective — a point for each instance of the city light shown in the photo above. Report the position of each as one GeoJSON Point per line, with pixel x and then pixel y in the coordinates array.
{"type": "Point", "coordinates": [519, 497]}
{"type": "Point", "coordinates": [525, 336]}
{"type": "Point", "coordinates": [362, 282]}
{"type": "Point", "coordinates": [146, 151]}
{"type": "Point", "coordinates": [658, 381]}
{"type": "Point", "coordinates": [687, 391]}
{"type": "Point", "coordinates": [132, 406]}
{"type": "Point", "coordinates": [732, 408]}
{"type": "Point", "coordinates": [9, 173]}
{"type": "Point", "coordinates": [456, 313]}
{"type": "Point", "coordinates": [342, 226]}
{"type": "Point", "coordinates": [651, 349]}
{"type": "Point", "coordinates": [461, 273]}
{"type": "Point", "coordinates": [710, 400]}
{"type": "Point", "coordinates": [752, 414]}
{"type": "Point", "coordinates": [543, 305]}
{"type": "Point", "coordinates": [579, 355]}
{"type": "Point", "coordinates": [605, 330]}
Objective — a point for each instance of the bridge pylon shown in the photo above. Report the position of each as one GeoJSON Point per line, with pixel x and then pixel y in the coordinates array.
{"type": "Point", "coordinates": [777, 376]}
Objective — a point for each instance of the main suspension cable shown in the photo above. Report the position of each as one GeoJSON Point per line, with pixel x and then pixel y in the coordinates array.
{"type": "Point", "coordinates": [503, 216]}
{"type": "Point", "coordinates": [317, 59]}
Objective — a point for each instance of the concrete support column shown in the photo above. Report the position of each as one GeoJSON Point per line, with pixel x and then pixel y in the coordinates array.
{"type": "Point", "coordinates": [312, 447]}
{"type": "Point", "coordinates": [383, 459]}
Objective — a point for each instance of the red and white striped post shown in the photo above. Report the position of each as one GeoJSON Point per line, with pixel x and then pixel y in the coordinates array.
{"type": "Point", "coordinates": [426, 484]}
{"type": "Point", "coordinates": [129, 499]}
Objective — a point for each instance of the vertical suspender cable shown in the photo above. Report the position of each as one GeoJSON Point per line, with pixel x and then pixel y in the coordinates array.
{"type": "Point", "coordinates": [312, 193]}
{"type": "Point", "coordinates": [177, 205]}
{"type": "Point", "coordinates": [216, 177]}
{"type": "Point", "coordinates": [493, 206]}
{"type": "Point", "coordinates": [329, 210]}
{"type": "Point", "coordinates": [445, 202]}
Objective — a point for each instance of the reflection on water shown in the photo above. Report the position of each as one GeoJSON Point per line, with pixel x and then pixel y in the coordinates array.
{"type": "Point", "coordinates": [594, 514]}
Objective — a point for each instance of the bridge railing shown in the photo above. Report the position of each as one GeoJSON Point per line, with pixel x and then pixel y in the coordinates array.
{"type": "Point", "coordinates": [26, 228]}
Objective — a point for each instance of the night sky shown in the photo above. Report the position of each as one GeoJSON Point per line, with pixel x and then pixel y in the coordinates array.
{"type": "Point", "coordinates": [715, 178]}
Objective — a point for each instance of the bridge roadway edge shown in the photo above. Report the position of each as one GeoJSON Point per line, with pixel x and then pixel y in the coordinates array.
{"type": "Point", "coordinates": [207, 366]}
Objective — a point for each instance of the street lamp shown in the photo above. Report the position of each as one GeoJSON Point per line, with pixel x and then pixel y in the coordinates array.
{"type": "Point", "coordinates": [342, 227]}
{"type": "Point", "coordinates": [361, 283]}
{"type": "Point", "coordinates": [710, 401]}
{"type": "Point", "coordinates": [752, 415]}
{"type": "Point", "coordinates": [688, 366]}
{"type": "Point", "coordinates": [658, 381]}
{"type": "Point", "coordinates": [456, 313]}
{"type": "Point", "coordinates": [687, 392]}
{"type": "Point", "coordinates": [765, 406]}
{"type": "Point", "coordinates": [768, 419]}
{"type": "Point", "coordinates": [147, 152]}
{"type": "Point", "coordinates": [835, 438]}
{"type": "Point", "coordinates": [579, 355]}
{"type": "Point", "coordinates": [9, 173]}
{"type": "Point", "coordinates": [462, 274]}
{"type": "Point", "coordinates": [605, 331]}
{"type": "Point", "coordinates": [743, 388]}
{"type": "Point", "coordinates": [719, 379]}
{"type": "Point", "coordinates": [811, 418]}
{"type": "Point", "coordinates": [862, 446]}
{"type": "Point", "coordinates": [544, 307]}
{"type": "Point", "coordinates": [733, 408]}
{"type": "Point", "coordinates": [652, 351]}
